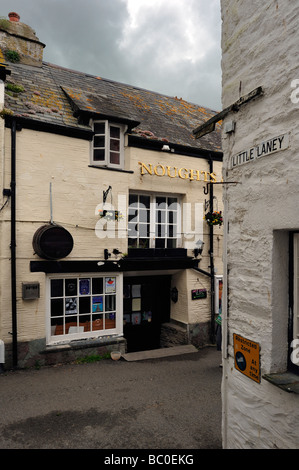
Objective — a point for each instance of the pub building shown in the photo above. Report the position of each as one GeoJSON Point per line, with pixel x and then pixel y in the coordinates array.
{"type": "Point", "coordinates": [111, 213]}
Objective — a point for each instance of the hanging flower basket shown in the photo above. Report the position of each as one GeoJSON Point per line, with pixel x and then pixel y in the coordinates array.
{"type": "Point", "coordinates": [110, 214]}
{"type": "Point", "coordinates": [214, 218]}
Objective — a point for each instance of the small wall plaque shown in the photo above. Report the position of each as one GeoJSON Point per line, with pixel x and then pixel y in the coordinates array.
{"type": "Point", "coordinates": [30, 290]}
{"type": "Point", "coordinates": [199, 294]}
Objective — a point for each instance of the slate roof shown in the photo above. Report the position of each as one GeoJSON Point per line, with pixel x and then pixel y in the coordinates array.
{"type": "Point", "coordinates": [60, 96]}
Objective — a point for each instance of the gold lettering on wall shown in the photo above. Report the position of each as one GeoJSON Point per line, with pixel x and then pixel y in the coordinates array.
{"type": "Point", "coordinates": [175, 172]}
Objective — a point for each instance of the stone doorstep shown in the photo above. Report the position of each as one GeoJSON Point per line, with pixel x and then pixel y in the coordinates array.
{"type": "Point", "coordinates": [158, 353]}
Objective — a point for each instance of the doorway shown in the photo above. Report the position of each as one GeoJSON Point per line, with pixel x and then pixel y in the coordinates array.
{"type": "Point", "coordinates": [146, 307]}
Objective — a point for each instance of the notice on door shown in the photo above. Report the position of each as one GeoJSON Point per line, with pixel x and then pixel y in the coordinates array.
{"type": "Point", "coordinates": [247, 357]}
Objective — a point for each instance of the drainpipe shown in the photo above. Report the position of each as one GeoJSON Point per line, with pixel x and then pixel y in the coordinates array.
{"type": "Point", "coordinates": [212, 257]}
{"type": "Point", "coordinates": [13, 244]}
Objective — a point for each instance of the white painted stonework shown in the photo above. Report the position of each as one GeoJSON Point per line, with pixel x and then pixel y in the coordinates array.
{"type": "Point", "coordinates": [260, 48]}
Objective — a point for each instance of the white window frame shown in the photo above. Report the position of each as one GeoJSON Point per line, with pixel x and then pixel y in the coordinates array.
{"type": "Point", "coordinates": [66, 338]}
{"type": "Point", "coordinates": [152, 222]}
{"type": "Point", "coordinates": [106, 161]}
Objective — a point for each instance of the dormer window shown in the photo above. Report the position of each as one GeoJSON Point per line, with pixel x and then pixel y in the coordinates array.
{"type": "Point", "coordinates": [108, 144]}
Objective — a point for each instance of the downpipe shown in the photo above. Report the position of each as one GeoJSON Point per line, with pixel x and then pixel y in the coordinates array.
{"type": "Point", "coordinates": [13, 245]}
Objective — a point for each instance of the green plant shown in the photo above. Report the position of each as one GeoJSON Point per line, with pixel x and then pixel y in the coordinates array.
{"type": "Point", "coordinates": [4, 23]}
{"type": "Point", "coordinates": [12, 56]}
{"type": "Point", "coordinates": [110, 214]}
{"type": "Point", "coordinates": [14, 88]}
{"type": "Point", "coordinates": [214, 218]}
{"type": "Point", "coordinates": [5, 112]}
{"type": "Point", "coordinates": [92, 358]}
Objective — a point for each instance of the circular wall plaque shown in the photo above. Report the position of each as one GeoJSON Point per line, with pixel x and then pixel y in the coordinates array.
{"type": "Point", "coordinates": [52, 242]}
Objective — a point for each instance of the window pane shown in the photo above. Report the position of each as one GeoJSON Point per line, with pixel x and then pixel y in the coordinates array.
{"type": "Point", "coordinates": [160, 243]}
{"type": "Point", "coordinates": [56, 287]}
{"type": "Point", "coordinates": [172, 200]}
{"type": "Point", "coordinates": [71, 306]}
{"type": "Point", "coordinates": [132, 242]}
{"type": "Point", "coordinates": [143, 230]}
{"type": "Point", "coordinates": [110, 321]}
{"type": "Point", "coordinates": [144, 215]}
{"type": "Point", "coordinates": [115, 132]}
{"type": "Point", "coordinates": [145, 201]}
{"type": "Point", "coordinates": [143, 243]}
{"type": "Point", "coordinates": [133, 200]}
{"type": "Point", "coordinates": [114, 158]}
{"type": "Point", "coordinates": [171, 243]}
{"type": "Point", "coordinates": [70, 287]}
{"type": "Point", "coordinates": [109, 303]}
{"type": "Point", "coordinates": [97, 285]}
{"type": "Point", "coordinates": [97, 322]}
{"type": "Point", "coordinates": [161, 202]}
{"type": "Point", "coordinates": [99, 141]}
{"type": "Point", "coordinates": [99, 155]}
{"type": "Point", "coordinates": [84, 305]}
{"type": "Point", "coordinates": [97, 304]}
{"type": "Point", "coordinates": [56, 307]}
{"type": "Point", "coordinates": [172, 217]}
{"type": "Point", "coordinates": [114, 145]}
{"type": "Point", "coordinates": [99, 128]}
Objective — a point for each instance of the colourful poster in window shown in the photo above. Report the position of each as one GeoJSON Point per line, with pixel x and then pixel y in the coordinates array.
{"type": "Point", "coordinates": [97, 304]}
{"type": "Point", "coordinates": [110, 284]}
{"type": "Point", "coordinates": [84, 286]}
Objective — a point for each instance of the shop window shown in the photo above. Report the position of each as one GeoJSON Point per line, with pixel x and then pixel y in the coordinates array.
{"type": "Point", "coordinates": [153, 221]}
{"type": "Point", "coordinates": [83, 306]}
{"type": "Point", "coordinates": [108, 144]}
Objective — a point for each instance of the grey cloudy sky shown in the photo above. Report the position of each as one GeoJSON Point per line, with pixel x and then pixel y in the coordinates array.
{"type": "Point", "coordinates": [168, 46]}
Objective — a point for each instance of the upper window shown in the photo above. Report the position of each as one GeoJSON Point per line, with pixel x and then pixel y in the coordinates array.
{"type": "Point", "coordinates": [154, 221]}
{"type": "Point", "coordinates": [108, 144]}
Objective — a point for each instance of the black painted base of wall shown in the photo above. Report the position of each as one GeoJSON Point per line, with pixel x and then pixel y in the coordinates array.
{"type": "Point", "coordinates": [35, 354]}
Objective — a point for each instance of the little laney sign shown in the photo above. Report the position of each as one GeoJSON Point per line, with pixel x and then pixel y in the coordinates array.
{"type": "Point", "coordinates": [265, 148]}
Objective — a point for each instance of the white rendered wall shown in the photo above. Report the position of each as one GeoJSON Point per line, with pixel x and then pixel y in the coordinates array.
{"type": "Point", "coordinates": [260, 48]}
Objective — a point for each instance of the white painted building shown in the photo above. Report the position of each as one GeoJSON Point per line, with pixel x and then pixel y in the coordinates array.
{"type": "Point", "coordinates": [261, 156]}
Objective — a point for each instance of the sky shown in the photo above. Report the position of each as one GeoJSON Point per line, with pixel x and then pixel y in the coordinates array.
{"type": "Point", "coordinates": [171, 47]}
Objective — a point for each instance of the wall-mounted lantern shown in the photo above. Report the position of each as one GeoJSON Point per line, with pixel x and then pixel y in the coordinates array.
{"type": "Point", "coordinates": [199, 248]}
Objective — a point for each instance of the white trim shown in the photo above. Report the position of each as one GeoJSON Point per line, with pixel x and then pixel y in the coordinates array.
{"type": "Point", "coordinates": [66, 338]}
{"type": "Point", "coordinates": [153, 224]}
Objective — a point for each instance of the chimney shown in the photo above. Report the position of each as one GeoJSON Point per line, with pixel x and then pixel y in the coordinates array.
{"type": "Point", "coordinates": [14, 16]}
{"type": "Point", "coordinates": [19, 42]}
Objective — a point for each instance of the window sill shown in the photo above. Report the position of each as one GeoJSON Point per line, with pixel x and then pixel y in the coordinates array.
{"type": "Point", "coordinates": [287, 381]}
{"type": "Point", "coordinates": [83, 344]}
{"type": "Point", "coordinates": [111, 169]}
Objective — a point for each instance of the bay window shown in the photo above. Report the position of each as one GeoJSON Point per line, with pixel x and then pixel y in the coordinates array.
{"type": "Point", "coordinates": [83, 306]}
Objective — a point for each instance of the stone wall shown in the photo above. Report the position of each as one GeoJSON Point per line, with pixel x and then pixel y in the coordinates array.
{"type": "Point", "coordinates": [259, 45]}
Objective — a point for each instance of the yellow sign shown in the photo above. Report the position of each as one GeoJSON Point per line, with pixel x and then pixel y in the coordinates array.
{"type": "Point", "coordinates": [176, 172]}
{"type": "Point", "coordinates": [247, 357]}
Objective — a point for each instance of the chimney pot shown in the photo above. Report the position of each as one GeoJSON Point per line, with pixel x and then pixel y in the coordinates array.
{"type": "Point", "coordinates": [13, 16]}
